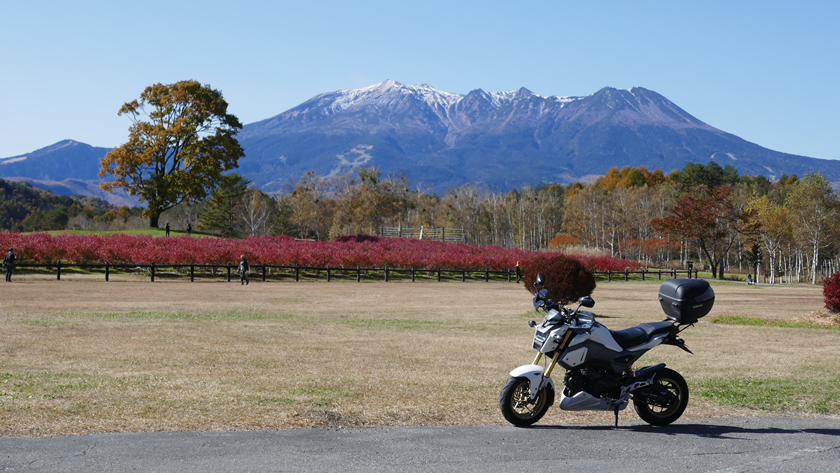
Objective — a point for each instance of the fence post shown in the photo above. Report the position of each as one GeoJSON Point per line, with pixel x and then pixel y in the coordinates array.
{"type": "Point", "coordinates": [660, 274]}
{"type": "Point", "coordinates": [106, 272]}
{"type": "Point", "coordinates": [152, 266]}
{"type": "Point", "coordinates": [263, 278]}
{"type": "Point", "coordinates": [609, 275]}
{"type": "Point", "coordinates": [228, 271]}
{"type": "Point", "coordinates": [412, 274]}
{"type": "Point", "coordinates": [508, 274]}
{"type": "Point", "coordinates": [329, 275]}
{"type": "Point", "coordinates": [643, 275]}
{"type": "Point", "coordinates": [625, 276]}
{"type": "Point", "coordinates": [438, 274]}
{"type": "Point", "coordinates": [58, 271]}
{"type": "Point", "coordinates": [386, 274]}
{"type": "Point", "coordinates": [297, 272]}
{"type": "Point", "coordinates": [358, 274]}
{"type": "Point", "coordinates": [192, 273]}
{"type": "Point", "coordinates": [463, 275]}
{"type": "Point", "coordinates": [486, 275]}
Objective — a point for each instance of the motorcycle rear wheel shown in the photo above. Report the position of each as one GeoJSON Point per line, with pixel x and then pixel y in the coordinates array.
{"type": "Point", "coordinates": [515, 405]}
{"type": "Point", "coordinates": [672, 382]}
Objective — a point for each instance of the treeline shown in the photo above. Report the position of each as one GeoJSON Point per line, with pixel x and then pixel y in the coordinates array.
{"type": "Point", "coordinates": [27, 208]}
{"type": "Point", "coordinates": [325, 207]}
{"type": "Point", "coordinates": [784, 231]}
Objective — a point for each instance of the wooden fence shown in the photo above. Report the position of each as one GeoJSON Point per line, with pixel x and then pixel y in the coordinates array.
{"type": "Point", "coordinates": [451, 235]}
{"type": "Point", "coordinates": [327, 272]}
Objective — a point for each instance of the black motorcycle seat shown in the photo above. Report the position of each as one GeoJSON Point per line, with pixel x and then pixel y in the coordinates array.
{"type": "Point", "coordinates": [640, 334]}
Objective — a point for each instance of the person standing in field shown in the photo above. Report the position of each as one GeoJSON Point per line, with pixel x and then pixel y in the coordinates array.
{"type": "Point", "coordinates": [9, 263]}
{"type": "Point", "coordinates": [518, 272]}
{"type": "Point", "coordinates": [244, 267]}
{"type": "Point", "coordinates": [189, 229]}
{"type": "Point", "coordinates": [167, 228]}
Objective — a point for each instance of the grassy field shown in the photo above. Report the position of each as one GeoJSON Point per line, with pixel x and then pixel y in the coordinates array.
{"type": "Point", "coordinates": [84, 356]}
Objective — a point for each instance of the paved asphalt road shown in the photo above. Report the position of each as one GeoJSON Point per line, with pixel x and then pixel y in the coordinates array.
{"type": "Point", "coordinates": [763, 444]}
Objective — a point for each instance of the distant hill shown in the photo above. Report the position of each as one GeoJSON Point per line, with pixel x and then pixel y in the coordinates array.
{"type": "Point", "coordinates": [498, 139]}
{"type": "Point", "coordinates": [65, 168]}
{"type": "Point", "coordinates": [24, 207]}
{"type": "Point", "coordinates": [66, 159]}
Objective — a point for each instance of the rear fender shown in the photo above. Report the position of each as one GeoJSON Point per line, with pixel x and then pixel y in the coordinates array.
{"type": "Point", "coordinates": [534, 374]}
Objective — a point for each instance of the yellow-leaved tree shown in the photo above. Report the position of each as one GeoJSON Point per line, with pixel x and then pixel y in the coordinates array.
{"type": "Point", "coordinates": [181, 142]}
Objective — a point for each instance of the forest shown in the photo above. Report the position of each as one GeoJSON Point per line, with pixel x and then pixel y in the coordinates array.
{"type": "Point", "coordinates": [29, 209]}
{"type": "Point", "coordinates": [709, 216]}
{"type": "Point", "coordinates": [705, 215]}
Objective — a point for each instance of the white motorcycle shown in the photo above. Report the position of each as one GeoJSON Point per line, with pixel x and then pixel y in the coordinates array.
{"type": "Point", "coordinates": [598, 361]}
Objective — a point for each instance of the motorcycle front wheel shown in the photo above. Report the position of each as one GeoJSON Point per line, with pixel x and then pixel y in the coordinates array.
{"type": "Point", "coordinates": [515, 405]}
{"type": "Point", "coordinates": [664, 400]}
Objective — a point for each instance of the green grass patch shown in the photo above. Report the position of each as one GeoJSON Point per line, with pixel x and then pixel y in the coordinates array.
{"type": "Point", "coordinates": [320, 397]}
{"type": "Point", "coordinates": [140, 315]}
{"type": "Point", "coordinates": [43, 323]}
{"type": "Point", "coordinates": [780, 395]}
{"type": "Point", "coordinates": [399, 324]}
{"type": "Point", "coordinates": [22, 385]}
{"type": "Point", "coordinates": [739, 320]}
{"type": "Point", "coordinates": [275, 401]}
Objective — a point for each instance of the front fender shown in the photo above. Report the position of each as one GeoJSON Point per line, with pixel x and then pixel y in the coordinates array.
{"type": "Point", "coordinates": [534, 374]}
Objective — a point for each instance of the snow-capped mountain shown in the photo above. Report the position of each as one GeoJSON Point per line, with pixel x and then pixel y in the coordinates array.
{"type": "Point", "coordinates": [501, 139]}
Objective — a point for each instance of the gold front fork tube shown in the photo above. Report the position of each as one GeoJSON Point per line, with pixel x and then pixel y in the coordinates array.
{"type": "Point", "coordinates": [550, 367]}
{"type": "Point", "coordinates": [537, 359]}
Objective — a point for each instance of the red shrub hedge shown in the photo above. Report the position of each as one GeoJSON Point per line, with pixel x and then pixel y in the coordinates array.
{"type": "Point", "coordinates": [831, 291]}
{"type": "Point", "coordinates": [566, 278]}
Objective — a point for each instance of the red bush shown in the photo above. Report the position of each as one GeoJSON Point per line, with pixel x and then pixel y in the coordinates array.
{"type": "Point", "coordinates": [566, 278]}
{"type": "Point", "coordinates": [831, 291]}
{"type": "Point", "coordinates": [349, 252]}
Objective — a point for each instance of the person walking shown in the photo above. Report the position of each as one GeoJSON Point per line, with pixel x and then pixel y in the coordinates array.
{"type": "Point", "coordinates": [518, 272]}
{"type": "Point", "coordinates": [9, 263]}
{"type": "Point", "coordinates": [244, 267]}
{"type": "Point", "coordinates": [167, 228]}
{"type": "Point", "coordinates": [749, 279]}
{"type": "Point", "coordinates": [189, 229]}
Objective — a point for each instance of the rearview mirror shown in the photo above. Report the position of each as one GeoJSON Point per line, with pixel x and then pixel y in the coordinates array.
{"type": "Point", "coordinates": [540, 280]}
{"type": "Point", "coordinates": [586, 301]}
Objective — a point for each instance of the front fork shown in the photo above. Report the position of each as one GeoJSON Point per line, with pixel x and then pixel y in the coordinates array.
{"type": "Point", "coordinates": [537, 376]}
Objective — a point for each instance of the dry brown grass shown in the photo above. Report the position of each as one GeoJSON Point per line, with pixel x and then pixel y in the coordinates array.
{"type": "Point", "coordinates": [83, 355]}
{"type": "Point", "coordinates": [821, 318]}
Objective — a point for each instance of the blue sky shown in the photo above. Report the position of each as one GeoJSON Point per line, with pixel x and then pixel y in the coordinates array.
{"type": "Point", "coordinates": [766, 71]}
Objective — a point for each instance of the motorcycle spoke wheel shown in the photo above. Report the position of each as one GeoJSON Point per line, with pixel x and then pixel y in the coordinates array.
{"type": "Point", "coordinates": [654, 413]}
{"type": "Point", "coordinates": [514, 402]}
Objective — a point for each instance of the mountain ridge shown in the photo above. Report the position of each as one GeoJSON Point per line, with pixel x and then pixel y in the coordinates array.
{"type": "Point", "coordinates": [501, 140]}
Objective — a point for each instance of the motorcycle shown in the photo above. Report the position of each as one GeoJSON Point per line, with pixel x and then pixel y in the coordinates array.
{"type": "Point", "coordinates": [598, 361]}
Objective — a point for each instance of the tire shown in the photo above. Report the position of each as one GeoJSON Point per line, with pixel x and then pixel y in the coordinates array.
{"type": "Point", "coordinates": [667, 382]}
{"type": "Point", "coordinates": [513, 401]}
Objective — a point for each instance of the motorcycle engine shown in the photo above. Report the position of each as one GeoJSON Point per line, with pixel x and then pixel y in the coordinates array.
{"type": "Point", "coordinates": [597, 382]}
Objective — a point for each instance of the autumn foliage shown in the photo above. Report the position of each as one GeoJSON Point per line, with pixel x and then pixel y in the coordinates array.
{"type": "Point", "coordinates": [566, 278]}
{"type": "Point", "coordinates": [366, 252]}
{"type": "Point", "coordinates": [831, 291]}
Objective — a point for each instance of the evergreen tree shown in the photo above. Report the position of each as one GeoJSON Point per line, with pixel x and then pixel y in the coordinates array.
{"type": "Point", "coordinates": [221, 212]}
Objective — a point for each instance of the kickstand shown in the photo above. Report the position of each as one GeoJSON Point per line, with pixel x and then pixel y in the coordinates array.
{"type": "Point", "coordinates": [616, 416]}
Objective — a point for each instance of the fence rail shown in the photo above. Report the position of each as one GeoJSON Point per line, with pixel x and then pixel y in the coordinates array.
{"type": "Point", "coordinates": [276, 271]}
{"type": "Point", "coordinates": [451, 235]}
